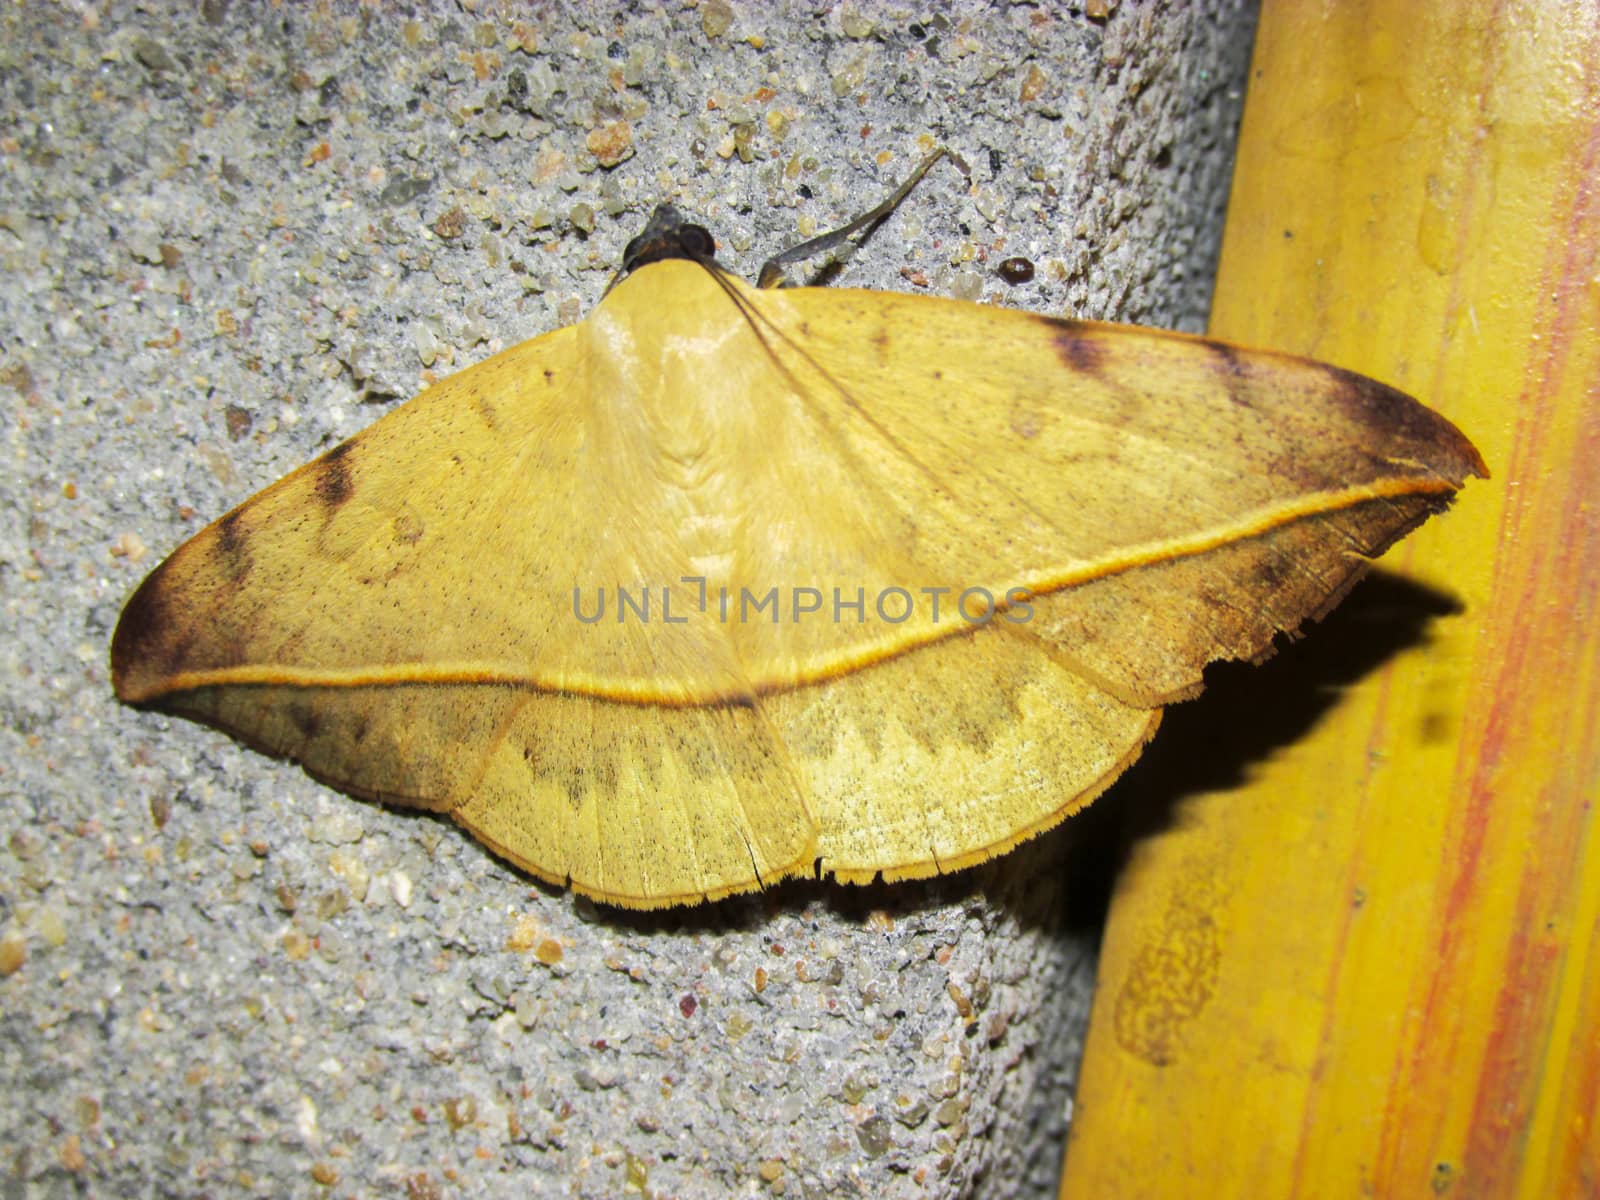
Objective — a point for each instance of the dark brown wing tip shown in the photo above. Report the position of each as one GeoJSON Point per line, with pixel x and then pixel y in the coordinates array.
{"type": "Point", "coordinates": [1437, 442]}
{"type": "Point", "coordinates": [141, 640]}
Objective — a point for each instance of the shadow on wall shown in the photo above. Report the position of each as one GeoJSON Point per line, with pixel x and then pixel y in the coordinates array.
{"type": "Point", "coordinates": [1246, 714]}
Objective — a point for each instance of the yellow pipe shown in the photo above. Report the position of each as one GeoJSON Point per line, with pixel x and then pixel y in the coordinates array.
{"type": "Point", "coordinates": [1372, 968]}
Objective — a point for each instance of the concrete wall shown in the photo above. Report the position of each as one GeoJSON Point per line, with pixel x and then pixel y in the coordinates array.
{"type": "Point", "coordinates": [232, 234]}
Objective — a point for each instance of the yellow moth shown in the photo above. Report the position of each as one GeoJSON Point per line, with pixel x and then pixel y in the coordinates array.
{"type": "Point", "coordinates": [724, 584]}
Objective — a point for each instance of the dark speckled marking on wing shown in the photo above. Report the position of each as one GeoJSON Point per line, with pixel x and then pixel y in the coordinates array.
{"type": "Point", "coordinates": [1078, 348]}
{"type": "Point", "coordinates": [1233, 368]}
{"type": "Point", "coordinates": [334, 482]}
{"type": "Point", "coordinates": [233, 545]}
{"type": "Point", "coordinates": [230, 538]}
{"type": "Point", "coordinates": [305, 718]}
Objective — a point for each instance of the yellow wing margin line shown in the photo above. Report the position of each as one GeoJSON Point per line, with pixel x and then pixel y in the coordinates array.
{"type": "Point", "coordinates": [823, 667]}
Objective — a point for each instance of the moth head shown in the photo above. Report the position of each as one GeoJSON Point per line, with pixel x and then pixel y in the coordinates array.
{"type": "Point", "coordinates": [668, 234]}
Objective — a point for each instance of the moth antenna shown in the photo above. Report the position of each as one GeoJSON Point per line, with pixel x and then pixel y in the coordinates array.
{"type": "Point", "coordinates": [772, 273]}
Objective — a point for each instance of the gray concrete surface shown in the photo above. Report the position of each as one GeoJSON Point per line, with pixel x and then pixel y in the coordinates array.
{"type": "Point", "coordinates": [233, 234]}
